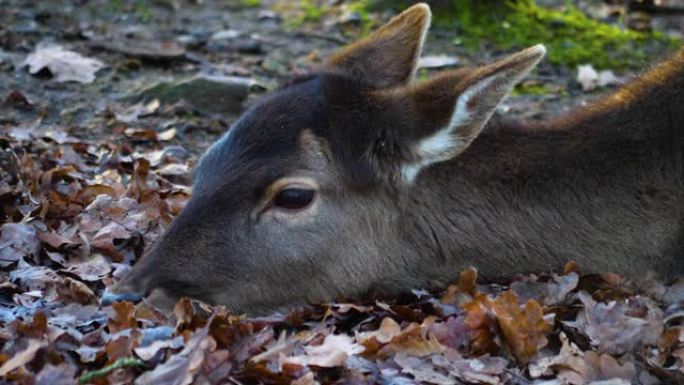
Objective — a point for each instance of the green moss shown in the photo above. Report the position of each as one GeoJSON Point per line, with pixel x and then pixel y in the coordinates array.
{"type": "Point", "coordinates": [571, 37]}
{"type": "Point", "coordinates": [530, 89]}
{"type": "Point", "coordinates": [361, 7]}
{"type": "Point", "coordinates": [142, 9]}
{"type": "Point", "coordinates": [251, 3]}
{"type": "Point", "coordinates": [312, 11]}
{"type": "Point", "coordinates": [136, 8]}
{"type": "Point", "coordinates": [306, 11]}
{"type": "Point", "coordinates": [540, 89]}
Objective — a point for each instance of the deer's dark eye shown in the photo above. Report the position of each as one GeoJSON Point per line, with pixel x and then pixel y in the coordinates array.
{"type": "Point", "coordinates": [293, 198]}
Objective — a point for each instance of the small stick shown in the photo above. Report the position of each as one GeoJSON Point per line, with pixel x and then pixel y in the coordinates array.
{"type": "Point", "coordinates": [126, 362]}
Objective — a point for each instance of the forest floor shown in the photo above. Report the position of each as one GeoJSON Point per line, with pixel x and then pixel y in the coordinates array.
{"type": "Point", "coordinates": [105, 107]}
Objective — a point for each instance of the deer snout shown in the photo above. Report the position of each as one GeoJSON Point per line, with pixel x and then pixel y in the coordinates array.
{"type": "Point", "coordinates": [134, 286]}
{"type": "Point", "coordinates": [131, 288]}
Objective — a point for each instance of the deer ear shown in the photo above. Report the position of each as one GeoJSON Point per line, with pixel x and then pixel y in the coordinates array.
{"type": "Point", "coordinates": [451, 110]}
{"type": "Point", "coordinates": [389, 56]}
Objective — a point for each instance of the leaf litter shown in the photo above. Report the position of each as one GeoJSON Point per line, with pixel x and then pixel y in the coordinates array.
{"type": "Point", "coordinates": [79, 212]}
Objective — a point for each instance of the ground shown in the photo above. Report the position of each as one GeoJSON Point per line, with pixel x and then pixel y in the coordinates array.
{"type": "Point", "coordinates": [105, 107]}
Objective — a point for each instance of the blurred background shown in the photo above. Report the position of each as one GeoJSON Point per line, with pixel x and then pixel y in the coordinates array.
{"type": "Point", "coordinates": [180, 71]}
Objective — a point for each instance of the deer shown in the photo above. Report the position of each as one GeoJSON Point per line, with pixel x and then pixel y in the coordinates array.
{"type": "Point", "coordinates": [355, 180]}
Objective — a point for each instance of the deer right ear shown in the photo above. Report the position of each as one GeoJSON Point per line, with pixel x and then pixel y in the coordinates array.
{"type": "Point", "coordinates": [442, 116]}
{"type": "Point", "coordinates": [389, 56]}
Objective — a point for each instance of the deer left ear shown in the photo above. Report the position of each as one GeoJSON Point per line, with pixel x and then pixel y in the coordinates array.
{"type": "Point", "coordinates": [447, 113]}
{"type": "Point", "coordinates": [389, 56]}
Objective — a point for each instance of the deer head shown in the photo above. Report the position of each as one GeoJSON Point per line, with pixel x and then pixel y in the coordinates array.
{"type": "Point", "coordinates": [302, 199]}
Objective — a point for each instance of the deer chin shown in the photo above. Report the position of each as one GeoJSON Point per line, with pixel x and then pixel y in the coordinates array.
{"type": "Point", "coordinates": [161, 299]}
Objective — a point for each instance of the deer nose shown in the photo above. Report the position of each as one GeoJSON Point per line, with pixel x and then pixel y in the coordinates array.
{"type": "Point", "coordinates": [109, 298]}
{"type": "Point", "coordinates": [130, 288]}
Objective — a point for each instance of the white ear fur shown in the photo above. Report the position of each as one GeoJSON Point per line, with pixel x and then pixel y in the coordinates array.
{"type": "Point", "coordinates": [469, 117]}
{"type": "Point", "coordinates": [423, 35]}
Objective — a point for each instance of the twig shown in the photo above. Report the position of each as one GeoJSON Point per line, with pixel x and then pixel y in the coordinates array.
{"type": "Point", "coordinates": [126, 362]}
{"type": "Point", "coordinates": [322, 36]}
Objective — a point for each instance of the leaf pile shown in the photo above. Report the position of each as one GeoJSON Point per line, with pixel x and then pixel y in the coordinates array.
{"type": "Point", "coordinates": [80, 213]}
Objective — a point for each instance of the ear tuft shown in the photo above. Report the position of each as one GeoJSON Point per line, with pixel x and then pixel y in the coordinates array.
{"type": "Point", "coordinates": [389, 56]}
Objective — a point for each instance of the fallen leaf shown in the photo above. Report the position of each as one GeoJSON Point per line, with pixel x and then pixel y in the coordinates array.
{"type": "Point", "coordinates": [524, 327]}
{"type": "Point", "coordinates": [181, 368]}
{"type": "Point", "coordinates": [334, 351]}
{"type": "Point", "coordinates": [63, 374]}
{"type": "Point", "coordinates": [618, 327]}
{"type": "Point", "coordinates": [64, 65]}
{"type": "Point", "coordinates": [17, 240]}
{"type": "Point", "coordinates": [591, 79]}
{"type": "Point", "coordinates": [422, 371]}
{"type": "Point", "coordinates": [93, 269]}
{"type": "Point", "coordinates": [23, 357]}
{"type": "Point", "coordinates": [416, 340]}
{"type": "Point", "coordinates": [148, 352]}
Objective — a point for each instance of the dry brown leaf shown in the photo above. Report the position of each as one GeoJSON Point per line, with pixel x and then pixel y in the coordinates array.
{"type": "Point", "coordinates": [524, 327]}
{"type": "Point", "coordinates": [181, 368]}
{"type": "Point", "coordinates": [422, 371]}
{"type": "Point", "coordinates": [57, 241]}
{"type": "Point", "coordinates": [121, 316]}
{"type": "Point", "coordinates": [334, 351]}
{"type": "Point", "coordinates": [388, 329]}
{"type": "Point", "coordinates": [17, 240]}
{"type": "Point", "coordinates": [23, 357]}
{"type": "Point", "coordinates": [107, 240]}
{"type": "Point", "coordinates": [71, 290]}
{"type": "Point", "coordinates": [605, 367]}
{"type": "Point", "coordinates": [618, 327]}
{"type": "Point", "coordinates": [481, 370]}
{"type": "Point", "coordinates": [569, 364]}
{"type": "Point", "coordinates": [482, 325]}
{"type": "Point", "coordinates": [94, 269]}
{"type": "Point", "coordinates": [148, 352]}
{"type": "Point", "coordinates": [416, 340]}
{"type": "Point", "coordinates": [63, 374]}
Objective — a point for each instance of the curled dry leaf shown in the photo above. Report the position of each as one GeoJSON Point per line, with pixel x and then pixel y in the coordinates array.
{"type": "Point", "coordinates": [334, 351]}
{"type": "Point", "coordinates": [65, 65]}
{"type": "Point", "coordinates": [422, 371]}
{"type": "Point", "coordinates": [121, 316]}
{"type": "Point", "coordinates": [148, 352]}
{"type": "Point", "coordinates": [576, 367]}
{"type": "Point", "coordinates": [17, 240]}
{"type": "Point", "coordinates": [618, 327]}
{"type": "Point", "coordinates": [481, 370]}
{"type": "Point", "coordinates": [417, 340]}
{"type": "Point", "coordinates": [23, 357]}
{"type": "Point", "coordinates": [524, 327]}
{"type": "Point", "coordinates": [93, 269]}
{"type": "Point", "coordinates": [181, 368]}
{"type": "Point", "coordinates": [62, 374]}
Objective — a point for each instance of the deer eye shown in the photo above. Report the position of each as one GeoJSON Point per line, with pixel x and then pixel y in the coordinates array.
{"type": "Point", "coordinates": [294, 198]}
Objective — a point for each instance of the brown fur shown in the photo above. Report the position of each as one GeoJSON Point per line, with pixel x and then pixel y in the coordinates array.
{"type": "Point", "coordinates": [390, 55]}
